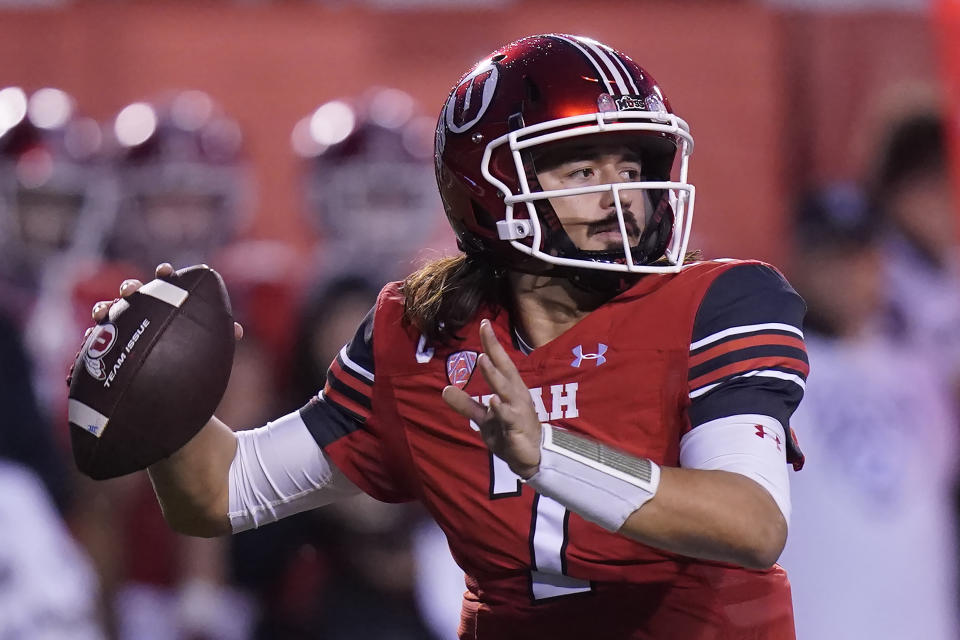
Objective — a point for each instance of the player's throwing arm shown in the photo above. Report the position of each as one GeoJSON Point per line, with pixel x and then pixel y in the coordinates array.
{"type": "Point", "coordinates": [192, 482]}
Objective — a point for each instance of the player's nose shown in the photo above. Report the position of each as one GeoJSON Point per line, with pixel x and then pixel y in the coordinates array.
{"type": "Point", "coordinates": [611, 175]}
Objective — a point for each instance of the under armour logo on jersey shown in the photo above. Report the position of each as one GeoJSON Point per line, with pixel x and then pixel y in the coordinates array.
{"type": "Point", "coordinates": [581, 356]}
{"type": "Point", "coordinates": [763, 433]}
{"type": "Point", "coordinates": [460, 367]}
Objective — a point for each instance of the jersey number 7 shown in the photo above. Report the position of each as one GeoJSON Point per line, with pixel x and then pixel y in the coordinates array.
{"type": "Point", "coordinates": [548, 536]}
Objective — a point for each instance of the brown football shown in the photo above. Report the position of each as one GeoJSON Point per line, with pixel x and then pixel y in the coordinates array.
{"type": "Point", "coordinates": [151, 374]}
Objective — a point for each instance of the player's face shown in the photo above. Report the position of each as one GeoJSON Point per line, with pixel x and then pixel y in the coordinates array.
{"type": "Point", "coordinates": [591, 219]}
{"type": "Point", "coordinates": [180, 217]}
{"type": "Point", "coordinates": [47, 220]}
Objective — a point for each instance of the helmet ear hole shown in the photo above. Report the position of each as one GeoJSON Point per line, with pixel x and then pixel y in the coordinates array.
{"type": "Point", "coordinates": [482, 216]}
{"type": "Point", "coordinates": [532, 90]}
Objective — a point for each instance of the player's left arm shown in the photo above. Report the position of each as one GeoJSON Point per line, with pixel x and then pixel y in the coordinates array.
{"type": "Point", "coordinates": [747, 374]}
{"type": "Point", "coordinates": [733, 508]}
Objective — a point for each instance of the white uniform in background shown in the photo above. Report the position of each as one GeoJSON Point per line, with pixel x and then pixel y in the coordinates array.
{"type": "Point", "coordinates": [48, 589]}
{"type": "Point", "coordinates": [440, 583]}
{"type": "Point", "coordinates": [871, 551]}
{"type": "Point", "coordinates": [926, 302]}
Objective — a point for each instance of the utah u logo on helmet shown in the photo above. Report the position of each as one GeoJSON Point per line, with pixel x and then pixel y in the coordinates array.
{"type": "Point", "coordinates": [470, 99]}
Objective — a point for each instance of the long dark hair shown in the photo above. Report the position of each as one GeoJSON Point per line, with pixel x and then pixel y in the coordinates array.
{"type": "Point", "coordinates": [443, 296]}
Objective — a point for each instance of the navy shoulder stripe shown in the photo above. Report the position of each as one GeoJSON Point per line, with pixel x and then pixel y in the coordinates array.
{"type": "Point", "coordinates": [748, 324]}
{"type": "Point", "coordinates": [357, 355]}
{"type": "Point", "coordinates": [351, 376]}
{"type": "Point", "coordinates": [744, 297]}
{"type": "Point", "coordinates": [328, 422]}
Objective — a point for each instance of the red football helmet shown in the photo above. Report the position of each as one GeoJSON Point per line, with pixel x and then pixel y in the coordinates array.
{"type": "Point", "coordinates": [527, 96]}
{"type": "Point", "coordinates": [56, 196]}
{"type": "Point", "coordinates": [184, 182]}
{"type": "Point", "coordinates": [368, 178]}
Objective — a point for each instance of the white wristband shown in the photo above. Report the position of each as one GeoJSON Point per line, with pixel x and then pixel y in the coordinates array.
{"type": "Point", "coordinates": [599, 483]}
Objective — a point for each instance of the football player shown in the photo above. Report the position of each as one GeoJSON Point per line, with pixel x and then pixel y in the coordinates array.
{"type": "Point", "coordinates": [876, 441]}
{"type": "Point", "coordinates": [368, 186]}
{"type": "Point", "coordinates": [599, 426]}
{"type": "Point", "coordinates": [56, 195]}
{"type": "Point", "coordinates": [185, 189]}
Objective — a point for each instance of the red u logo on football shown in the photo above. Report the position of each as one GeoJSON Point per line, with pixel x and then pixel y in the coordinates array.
{"type": "Point", "coordinates": [102, 341]}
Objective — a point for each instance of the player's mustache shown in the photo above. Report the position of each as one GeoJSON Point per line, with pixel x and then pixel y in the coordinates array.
{"type": "Point", "coordinates": [610, 223]}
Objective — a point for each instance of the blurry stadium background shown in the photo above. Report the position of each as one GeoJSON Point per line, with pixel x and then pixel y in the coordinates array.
{"type": "Point", "coordinates": [261, 137]}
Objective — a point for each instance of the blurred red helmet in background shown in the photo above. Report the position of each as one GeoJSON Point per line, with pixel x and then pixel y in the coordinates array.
{"type": "Point", "coordinates": [368, 174]}
{"type": "Point", "coordinates": [56, 195]}
{"type": "Point", "coordinates": [184, 185]}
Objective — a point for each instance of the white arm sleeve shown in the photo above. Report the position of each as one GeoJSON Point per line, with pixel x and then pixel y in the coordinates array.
{"type": "Point", "coordinates": [280, 470]}
{"type": "Point", "coordinates": [751, 445]}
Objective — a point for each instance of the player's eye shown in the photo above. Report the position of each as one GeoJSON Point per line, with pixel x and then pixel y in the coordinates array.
{"type": "Point", "coordinates": [582, 173]}
{"type": "Point", "coordinates": [630, 173]}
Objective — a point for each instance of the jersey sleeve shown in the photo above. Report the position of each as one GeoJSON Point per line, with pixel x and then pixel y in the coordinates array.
{"type": "Point", "coordinates": [342, 419]}
{"type": "Point", "coordinates": [747, 355]}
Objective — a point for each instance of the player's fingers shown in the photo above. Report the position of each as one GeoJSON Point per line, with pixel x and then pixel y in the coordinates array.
{"type": "Point", "coordinates": [504, 411]}
{"type": "Point", "coordinates": [509, 415]}
{"type": "Point", "coordinates": [129, 286]}
{"type": "Point", "coordinates": [498, 382]}
{"type": "Point", "coordinates": [86, 334]}
{"type": "Point", "coordinates": [100, 310]}
{"type": "Point", "coordinates": [237, 331]}
{"type": "Point", "coordinates": [164, 269]}
{"type": "Point", "coordinates": [492, 347]}
{"type": "Point", "coordinates": [463, 404]}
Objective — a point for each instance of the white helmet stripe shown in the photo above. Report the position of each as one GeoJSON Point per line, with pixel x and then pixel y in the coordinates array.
{"type": "Point", "coordinates": [603, 76]}
{"type": "Point", "coordinates": [605, 59]}
{"type": "Point", "coordinates": [626, 74]}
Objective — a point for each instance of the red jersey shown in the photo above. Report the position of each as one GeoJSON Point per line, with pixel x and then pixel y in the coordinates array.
{"type": "Point", "coordinates": [670, 353]}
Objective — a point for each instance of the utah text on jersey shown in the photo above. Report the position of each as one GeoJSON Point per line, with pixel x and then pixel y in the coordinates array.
{"type": "Point", "coordinates": [563, 402]}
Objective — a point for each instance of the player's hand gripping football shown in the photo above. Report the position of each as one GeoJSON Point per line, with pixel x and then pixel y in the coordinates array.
{"type": "Point", "coordinates": [127, 287]}
{"type": "Point", "coordinates": [509, 425]}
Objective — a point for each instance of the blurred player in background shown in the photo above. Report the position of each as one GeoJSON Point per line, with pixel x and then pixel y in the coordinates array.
{"type": "Point", "coordinates": [183, 188]}
{"type": "Point", "coordinates": [367, 175]}
{"type": "Point", "coordinates": [366, 168]}
{"type": "Point", "coordinates": [48, 588]}
{"type": "Point", "coordinates": [57, 201]}
{"type": "Point", "coordinates": [911, 185]}
{"type": "Point", "coordinates": [871, 553]}
{"type": "Point", "coordinates": [619, 467]}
